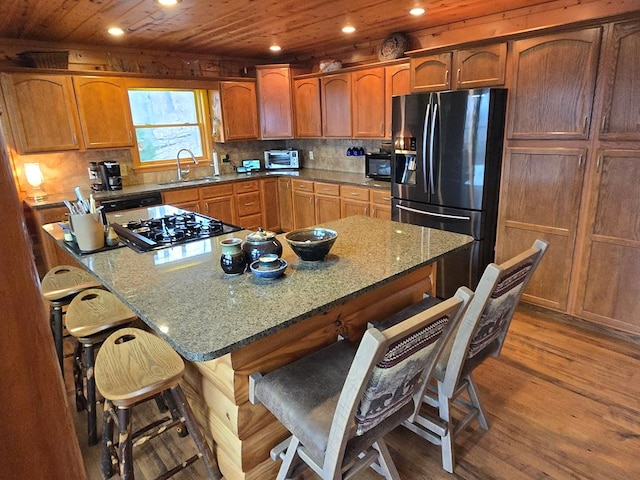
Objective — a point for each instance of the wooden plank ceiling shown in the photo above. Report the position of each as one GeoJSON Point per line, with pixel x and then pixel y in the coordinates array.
{"type": "Point", "coordinates": [305, 29]}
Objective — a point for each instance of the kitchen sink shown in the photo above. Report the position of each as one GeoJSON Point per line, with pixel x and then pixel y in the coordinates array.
{"type": "Point", "coordinates": [187, 181]}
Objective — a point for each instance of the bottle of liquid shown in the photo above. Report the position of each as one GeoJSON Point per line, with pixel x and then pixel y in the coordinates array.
{"type": "Point", "coordinates": [214, 164]}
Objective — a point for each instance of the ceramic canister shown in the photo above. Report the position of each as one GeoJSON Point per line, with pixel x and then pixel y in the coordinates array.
{"type": "Point", "coordinates": [232, 260]}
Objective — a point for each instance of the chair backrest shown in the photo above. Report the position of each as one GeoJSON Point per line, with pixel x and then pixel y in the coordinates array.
{"type": "Point", "coordinates": [484, 326]}
{"type": "Point", "coordinates": [388, 370]}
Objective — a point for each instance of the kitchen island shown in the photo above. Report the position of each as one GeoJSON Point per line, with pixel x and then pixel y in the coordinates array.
{"type": "Point", "coordinates": [231, 326]}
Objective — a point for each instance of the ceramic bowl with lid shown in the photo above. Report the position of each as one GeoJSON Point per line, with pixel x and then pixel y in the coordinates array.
{"type": "Point", "coordinates": [261, 243]}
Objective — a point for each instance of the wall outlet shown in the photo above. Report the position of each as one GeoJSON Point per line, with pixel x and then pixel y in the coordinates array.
{"type": "Point", "coordinates": [226, 159]}
{"type": "Point", "coordinates": [123, 170]}
{"type": "Point", "coordinates": [310, 154]}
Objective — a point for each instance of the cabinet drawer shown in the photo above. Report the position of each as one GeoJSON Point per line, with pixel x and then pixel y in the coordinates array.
{"type": "Point", "coordinates": [181, 196]}
{"type": "Point", "coordinates": [382, 197]}
{"type": "Point", "coordinates": [302, 185]}
{"type": "Point", "coordinates": [248, 204]}
{"type": "Point", "coordinates": [244, 187]}
{"type": "Point", "coordinates": [327, 188]}
{"type": "Point", "coordinates": [355, 193]}
{"type": "Point", "coordinates": [215, 191]}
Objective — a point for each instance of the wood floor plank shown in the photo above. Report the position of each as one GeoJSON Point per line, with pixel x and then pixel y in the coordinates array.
{"type": "Point", "coordinates": [562, 401]}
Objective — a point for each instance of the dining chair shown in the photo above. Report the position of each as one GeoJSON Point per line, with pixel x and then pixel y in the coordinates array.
{"type": "Point", "coordinates": [480, 334]}
{"type": "Point", "coordinates": [340, 401]}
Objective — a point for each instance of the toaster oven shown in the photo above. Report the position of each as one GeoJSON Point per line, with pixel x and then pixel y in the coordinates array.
{"type": "Point", "coordinates": [275, 159]}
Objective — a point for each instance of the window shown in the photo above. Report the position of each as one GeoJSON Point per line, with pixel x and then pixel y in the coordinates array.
{"type": "Point", "coordinates": [165, 121]}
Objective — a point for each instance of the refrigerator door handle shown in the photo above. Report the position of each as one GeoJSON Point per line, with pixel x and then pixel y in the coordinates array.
{"type": "Point", "coordinates": [432, 214]}
{"type": "Point", "coordinates": [432, 147]}
{"type": "Point", "coordinates": [424, 146]}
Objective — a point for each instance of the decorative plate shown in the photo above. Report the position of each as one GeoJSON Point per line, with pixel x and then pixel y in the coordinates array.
{"type": "Point", "coordinates": [393, 47]}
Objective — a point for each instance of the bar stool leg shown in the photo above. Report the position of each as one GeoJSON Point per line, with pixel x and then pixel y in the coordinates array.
{"type": "Point", "coordinates": [209, 460]}
{"type": "Point", "coordinates": [108, 462]}
{"type": "Point", "coordinates": [78, 381]}
{"type": "Point", "coordinates": [56, 329]}
{"type": "Point", "coordinates": [125, 447]}
{"type": "Point", "coordinates": [89, 362]}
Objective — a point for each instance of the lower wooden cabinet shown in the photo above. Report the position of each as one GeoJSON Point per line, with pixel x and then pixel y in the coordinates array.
{"type": "Point", "coordinates": [270, 207]}
{"type": "Point", "coordinates": [47, 253]}
{"type": "Point", "coordinates": [304, 210]}
{"type": "Point", "coordinates": [248, 204]}
{"type": "Point", "coordinates": [327, 202]}
{"type": "Point", "coordinates": [218, 201]}
{"type": "Point", "coordinates": [608, 279]}
{"type": "Point", "coordinates": [381, 204]}
{"type": "Point", "coordinates": [541, 193]}
{"type": "Point", "coordinates": [285, 204]}
{"type": "Point", "coordinates": [353, 201]}
{"type": "Point", "coordinates": [187, 198]}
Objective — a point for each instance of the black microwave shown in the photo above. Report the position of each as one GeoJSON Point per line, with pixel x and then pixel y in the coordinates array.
{"type": "Point", "coordinates": [378, 166]}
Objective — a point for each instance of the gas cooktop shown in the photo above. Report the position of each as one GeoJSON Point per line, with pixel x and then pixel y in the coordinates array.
{"type": "Point", "coordinates": [169, 230]}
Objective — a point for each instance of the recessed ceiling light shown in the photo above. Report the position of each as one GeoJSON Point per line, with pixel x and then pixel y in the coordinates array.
{"type": "Point", "coordinates": [115, 31]}
{"type": "Point", "coordinates": [416, 12]}
{"type": "Point", "coordinates": [348, 29]}
{"type": "Point", "coordinates": [168, 3]}
{"type": "Point", "coordinates": [275, 48]}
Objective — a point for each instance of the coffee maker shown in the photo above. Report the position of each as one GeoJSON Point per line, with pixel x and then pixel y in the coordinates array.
{"type": "Point", "coordinates": [110, 174]}
{"type": "Point", "coordinates": [95, 176]}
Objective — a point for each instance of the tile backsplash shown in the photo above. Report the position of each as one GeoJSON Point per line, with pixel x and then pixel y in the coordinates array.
{"type": "Point", "coordinates": [62, 171]}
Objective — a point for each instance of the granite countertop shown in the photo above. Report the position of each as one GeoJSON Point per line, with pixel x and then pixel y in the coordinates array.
{"type": "Point", "coordinates": [56, 200]}
{"type": "Point", "coordinates": [184, 296]}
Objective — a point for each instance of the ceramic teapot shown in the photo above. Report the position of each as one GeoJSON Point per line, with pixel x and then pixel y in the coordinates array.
{"type": "Point", "coordinates": [261, 243]}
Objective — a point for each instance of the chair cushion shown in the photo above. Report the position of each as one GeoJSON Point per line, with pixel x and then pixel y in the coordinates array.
{"type": "Point", "coordinates": [304, 394]}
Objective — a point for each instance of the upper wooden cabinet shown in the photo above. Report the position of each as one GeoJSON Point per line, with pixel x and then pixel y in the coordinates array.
{"type": "Point", "coordinates": [482, 66]}
{"type": "Point", "coordinates": [397, 82]}
{"type": "Point", "coordinates": [274, 102]}
{"type": "Point", "coordinates": [368, 102]}
{"type": "Point", "coordinates": [306, 94]}
{"type": "Point", "coordinates": [105, 117]}
{"type": "Point", "coordinates": [43, 112]}
{"type": "Point", "coordinates": [620, 121]}
{"type": "Point", "coordinates": [239, 115]}
{"type": "Point", "coordinates": [336, 105]}
{"type": "Point", "coordinates": [432, 72]}
{"type": "Point", "coordinates": [553, 85]}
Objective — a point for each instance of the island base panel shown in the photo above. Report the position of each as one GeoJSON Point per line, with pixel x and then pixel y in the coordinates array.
{"type": "Point", "coordinates": [245, 433]}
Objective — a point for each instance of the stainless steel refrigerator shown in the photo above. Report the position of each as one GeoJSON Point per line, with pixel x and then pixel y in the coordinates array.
{"type": "Point", "coordinates": [445, 172]}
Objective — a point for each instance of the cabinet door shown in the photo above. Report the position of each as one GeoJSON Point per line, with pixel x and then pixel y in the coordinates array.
{"type": "Point", "coordinates": [308, 116]}
{"type": "Point", "coordinates": [609, 286]}
{"type": "Point", "coordinates": [105, 117]}
{"type": "Point", "coordinates": [336, 105]}
{"type": "Point", "coordinates": [353, 201]}
{"type": "Point", "coordinates": [285, 204]}
{"type": "Point", "coordinates": [327, 201]}
{"type": "Point", "coordinates": [269, 199]}
{"type": "Point", "coordinates": [222, 208]}
{"type": "Point", "coordinates": [43, 112]}
{"type": "Point", "coordinates": [368, 103]}
{"type": "Point", "coordinates": [622, 84]}
{"type": "Point", "coordinates": [274, 102]}
{"type": "Point", "coordinates": [480, 67]}
{"type": "Point", "coordinates": [553, 84]}
{"type": "Point", "coordinates": [540, 198]}
{"type": "Point", "coordinates": [431, 73]}
{"type": "Point", "coordinates": [381, 204]}
{"type": "Point", "coordinates": [239, 110]}
{"type": "Point", "coordinates": [397, 82]}
{"type": "Point", "coordinates": [304, 210]}
{"type": "Point", "coordinates": [186, 198]}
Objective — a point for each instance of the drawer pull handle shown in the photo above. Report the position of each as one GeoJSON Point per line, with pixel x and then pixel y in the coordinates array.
{"type": "Point", "coordinates": [248, 204]}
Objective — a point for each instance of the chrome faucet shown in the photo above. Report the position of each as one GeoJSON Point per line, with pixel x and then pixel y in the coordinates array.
{"type": "Point", "coordinates": [182, 172]}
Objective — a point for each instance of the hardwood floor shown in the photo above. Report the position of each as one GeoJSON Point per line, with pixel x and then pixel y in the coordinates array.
{"type": "Point", "coordinates": [563, 402]}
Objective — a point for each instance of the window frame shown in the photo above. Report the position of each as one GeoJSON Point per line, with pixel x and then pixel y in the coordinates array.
{"type": "Point", "coordinates": [203, 114]}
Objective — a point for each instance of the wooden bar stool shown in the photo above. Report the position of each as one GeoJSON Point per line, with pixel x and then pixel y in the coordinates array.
{"type": "Point", "coordinates": [91, 317]}
{"type": "Point", "coordinates": [59, 286]}
{"type": "Point", "coordinates": [134, 366]}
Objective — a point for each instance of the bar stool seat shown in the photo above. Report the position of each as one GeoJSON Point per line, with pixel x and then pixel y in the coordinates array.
{"type": "Point", "coordinates": [59, 286]}
{"type": "Point", "coordinates": [91, 317]}
{"type": "Point", "coordinates": [134, 366]}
